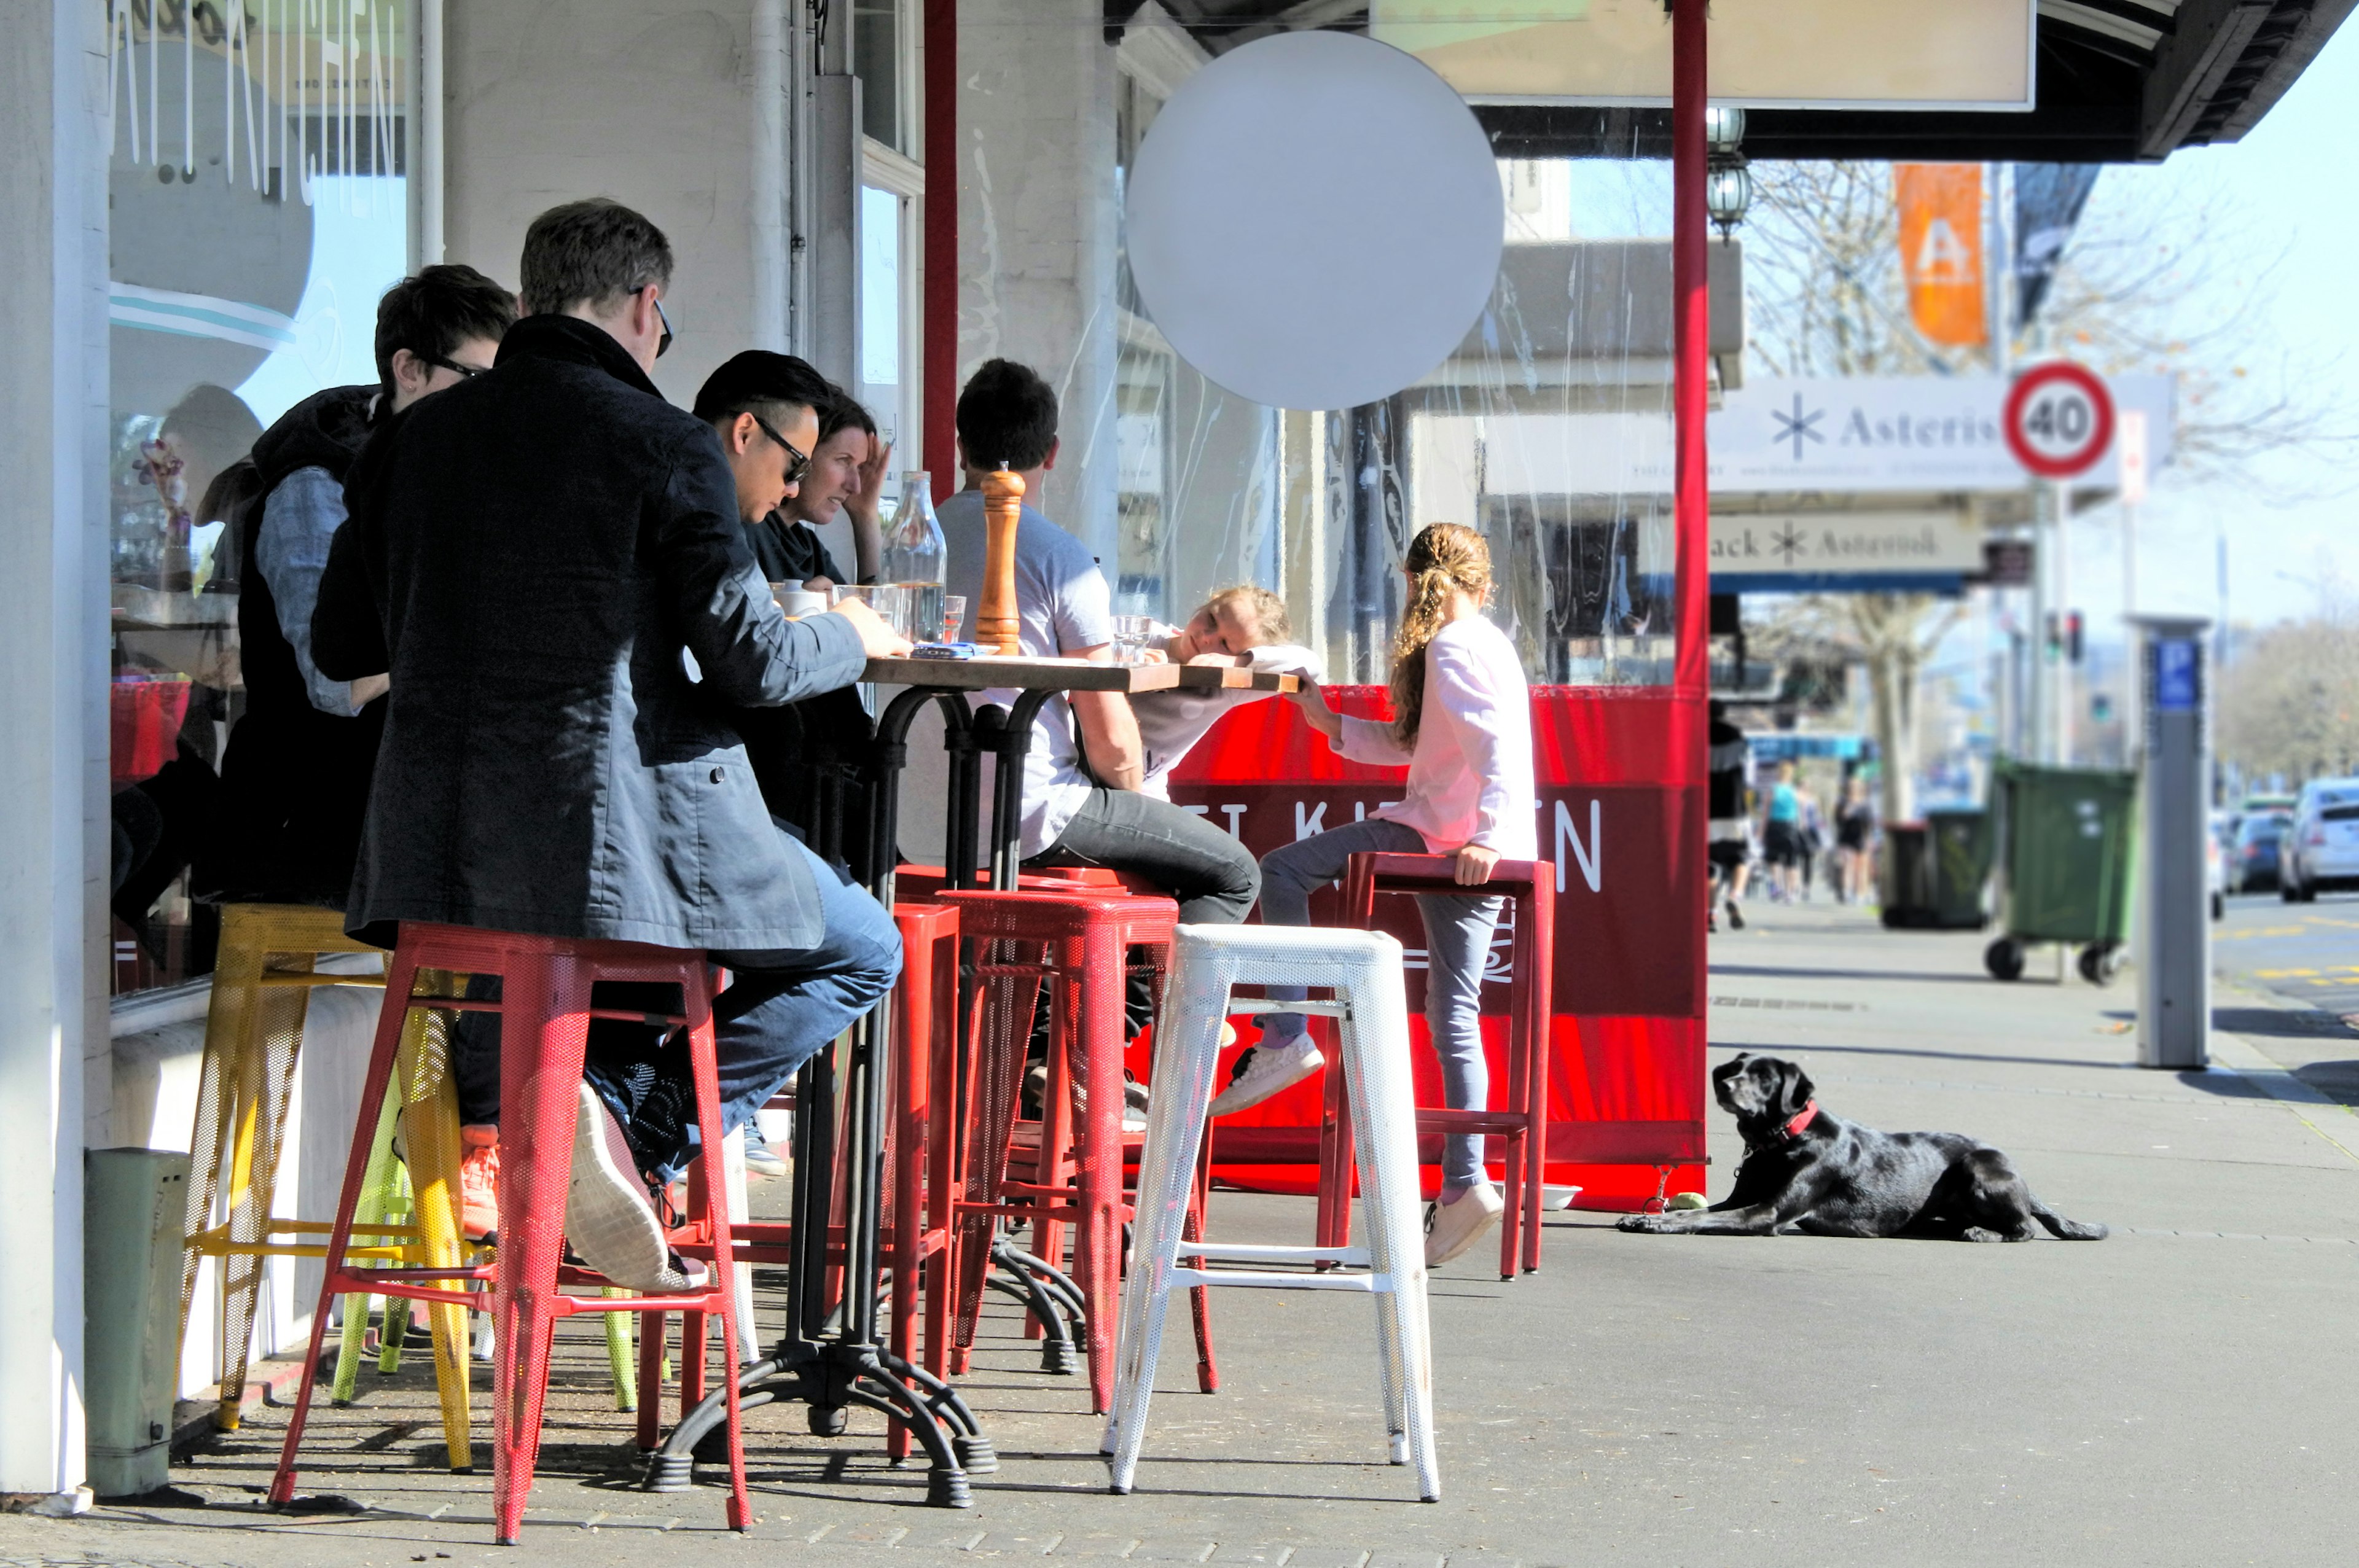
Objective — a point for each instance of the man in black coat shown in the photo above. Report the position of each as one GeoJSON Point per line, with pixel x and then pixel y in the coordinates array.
{"type": "Point", "coordinates": [548, 562]}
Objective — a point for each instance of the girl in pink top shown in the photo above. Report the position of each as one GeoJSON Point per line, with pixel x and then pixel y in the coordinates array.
{"type": "Point", "coordinates": [1463, 723]}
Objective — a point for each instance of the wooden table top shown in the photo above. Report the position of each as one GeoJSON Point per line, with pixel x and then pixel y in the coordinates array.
{"type": "Point", "coordinates": [1069, 674]}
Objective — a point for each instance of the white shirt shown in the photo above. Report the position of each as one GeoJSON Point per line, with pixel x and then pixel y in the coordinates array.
{"type": "Point", "coordinates": [1062, 606]}
{"type": "Point", "coordinates": [1470, 777]}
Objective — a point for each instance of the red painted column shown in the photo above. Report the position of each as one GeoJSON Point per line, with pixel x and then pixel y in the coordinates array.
{"type": "Point", "coordinates": [1692, 305]}
{"type": "Point", "coordinates": [939, 364]}
{"type": "Point", "coordinates": [1691, 498]}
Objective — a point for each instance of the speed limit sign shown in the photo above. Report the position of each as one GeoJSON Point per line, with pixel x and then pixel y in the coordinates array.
{"type": "Point", "coordinates": [2060, 420]}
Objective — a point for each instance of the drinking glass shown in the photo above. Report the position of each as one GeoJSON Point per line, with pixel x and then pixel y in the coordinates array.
{"type": "Point", "coordinates": [953, 615]}
{"type": "Point", "coordinates": [1130, 635]}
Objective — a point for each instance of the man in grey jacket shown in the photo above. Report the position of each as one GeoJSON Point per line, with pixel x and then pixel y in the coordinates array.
{"type": "Point", "coordinates": [548, 562]}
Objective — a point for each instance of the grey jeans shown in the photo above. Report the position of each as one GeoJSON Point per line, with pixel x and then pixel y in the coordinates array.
{"type": "Point", "coordinates": [1458, 939]}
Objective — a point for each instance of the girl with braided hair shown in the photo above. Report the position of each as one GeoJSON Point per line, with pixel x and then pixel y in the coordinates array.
{"type": "Point", "coordinates": [1462, 720]}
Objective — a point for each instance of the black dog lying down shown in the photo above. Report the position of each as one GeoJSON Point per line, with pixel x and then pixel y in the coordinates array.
{"type": "Point", "coordinates": [1812, 1174]}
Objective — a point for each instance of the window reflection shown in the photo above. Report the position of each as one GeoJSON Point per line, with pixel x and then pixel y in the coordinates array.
{"type": "Point", "coordinates": [258, 210]}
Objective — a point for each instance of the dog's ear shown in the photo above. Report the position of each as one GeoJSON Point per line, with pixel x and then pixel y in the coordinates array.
{"type": "Point", "coordinates": [1800, 1090]}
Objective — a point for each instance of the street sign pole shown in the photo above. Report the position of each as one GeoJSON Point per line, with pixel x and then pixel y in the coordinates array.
{"type": "Point", "coordinates": [2065, 685]}
{"type": "Point", "coordinates": [2059, 424]}
{"type": "Point", "coordinates": [2035, 733]}
{"type": "Point", "coordinates": [2173, 938]}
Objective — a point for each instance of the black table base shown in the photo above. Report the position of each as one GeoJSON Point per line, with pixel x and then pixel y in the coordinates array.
{"type": "Point", "coordinates": [833, 1361]}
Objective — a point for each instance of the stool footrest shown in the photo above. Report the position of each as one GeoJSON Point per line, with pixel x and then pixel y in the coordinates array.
{"type": "Point", "coordinates": [1254, 1006]}
{"type": "Point", "coordinates": [1271, 1279]}
{"type": "Point", "coordinates": [1246, 1252]}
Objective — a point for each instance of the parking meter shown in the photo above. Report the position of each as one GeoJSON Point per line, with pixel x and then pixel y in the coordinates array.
{"type": "Point", "coordinates": [2174, 926]}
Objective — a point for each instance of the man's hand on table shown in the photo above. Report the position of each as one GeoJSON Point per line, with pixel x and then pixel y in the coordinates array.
{"type": "Point", "coordinates": [877, 638]}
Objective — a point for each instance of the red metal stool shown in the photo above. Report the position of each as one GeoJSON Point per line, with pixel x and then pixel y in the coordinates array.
{"type": "Point", "coordinates": [1530, 886]}
{"type": "Point", "coordinates": [914, 883]}
{"type": "Point", "coordinates": [920, 1154]}
{"type": "Point", "coordinates": [545, 987]}
{"type": "Point", "coordinates": [1076, 1174]}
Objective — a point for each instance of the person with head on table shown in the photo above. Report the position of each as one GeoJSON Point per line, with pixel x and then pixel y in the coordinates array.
{"type": "Point", "coordinates": [1082, 802]}
{"type": "Point", "coordinates": [549, 563]}
{"type": "Point", "coordinates": [1246, 627]}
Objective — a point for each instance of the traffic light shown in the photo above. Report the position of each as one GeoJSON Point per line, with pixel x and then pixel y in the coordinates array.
{"type": "Point", "coordinates": [2100, 708]}
{"type": "Point", "coordinates": [2072, 635]}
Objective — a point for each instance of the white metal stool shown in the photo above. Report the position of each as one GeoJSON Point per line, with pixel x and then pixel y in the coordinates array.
{"type": "Point", "coordinates": [1363, 968]}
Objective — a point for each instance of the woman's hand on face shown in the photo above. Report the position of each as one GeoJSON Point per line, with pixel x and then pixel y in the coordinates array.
{"type": "Point", "coordinates": [1475, 863]}
{"type": "Point", "coordinates": [866, 500]}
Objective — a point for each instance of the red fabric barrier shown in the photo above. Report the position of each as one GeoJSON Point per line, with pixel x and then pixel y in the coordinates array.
{"type": "Point", "coordinates": [1625, 825]}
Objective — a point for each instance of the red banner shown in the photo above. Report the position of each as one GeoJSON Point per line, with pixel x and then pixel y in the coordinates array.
{"type": "Point", "coordinates": [1624, 828]}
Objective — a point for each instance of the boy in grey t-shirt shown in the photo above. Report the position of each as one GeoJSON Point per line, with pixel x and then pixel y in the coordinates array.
{"type": "Point", "coordinates": [1083, 771]}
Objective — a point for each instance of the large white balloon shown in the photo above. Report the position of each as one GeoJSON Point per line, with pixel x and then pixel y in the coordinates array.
{"type": "Point", "coordinates": [1314, 221]}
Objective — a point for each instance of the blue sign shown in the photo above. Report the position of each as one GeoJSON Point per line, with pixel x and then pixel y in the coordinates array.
{"type": "Point", "coordinates": [2175, 686]}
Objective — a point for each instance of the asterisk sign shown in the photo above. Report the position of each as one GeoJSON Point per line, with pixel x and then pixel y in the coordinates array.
{"type": "Point", "coordinates": [1788, 542]}
{"type": "Point", "coordinates": [1798, 426]}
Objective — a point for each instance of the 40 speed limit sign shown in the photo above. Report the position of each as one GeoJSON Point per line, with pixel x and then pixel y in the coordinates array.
{"type": "Point", "coordinates": [2060, 420]}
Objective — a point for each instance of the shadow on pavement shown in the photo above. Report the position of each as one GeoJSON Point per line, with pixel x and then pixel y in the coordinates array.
{"type": "Point", "coordinates": [1791, 1049]}
{"type": "Point", "coordinates": [1789, 972]}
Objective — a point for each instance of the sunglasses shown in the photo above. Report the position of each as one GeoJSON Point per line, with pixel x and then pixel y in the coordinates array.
{"type": "Point", "coordinates": [664, 343]}
{"type": "Point", "coordinates": [464, 373]}
{"type": "Point", "coordinates": [797, 462]}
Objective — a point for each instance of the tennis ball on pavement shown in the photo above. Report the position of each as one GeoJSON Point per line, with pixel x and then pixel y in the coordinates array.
{"type": "Point", "coordinates": [1687, 1200]}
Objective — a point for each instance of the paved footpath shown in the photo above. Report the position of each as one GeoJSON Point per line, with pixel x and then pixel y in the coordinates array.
{"type": "Point", "coordinates": [2181, 1393]}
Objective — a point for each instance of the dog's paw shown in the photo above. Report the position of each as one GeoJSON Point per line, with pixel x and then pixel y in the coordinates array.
{"type": "Point", "coordinates": [1648, 1224]}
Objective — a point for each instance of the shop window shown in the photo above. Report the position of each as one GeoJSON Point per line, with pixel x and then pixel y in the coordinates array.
{"type": "Point", "coordinates": [257, 210]}
{"type": "Point", "coordinates": [884, 56]}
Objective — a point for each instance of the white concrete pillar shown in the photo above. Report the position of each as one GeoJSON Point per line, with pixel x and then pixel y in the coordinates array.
{"type": "Point", "coordinates": [53, 623]}
{"type": "Point", "coordinates": [647, 101]}
{"type": "Point", "coordinates": [1036, 227]}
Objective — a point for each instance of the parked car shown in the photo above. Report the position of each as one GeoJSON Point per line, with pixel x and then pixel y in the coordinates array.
{"type": "Point", "coordinates": [2320, 849]}
{"type": "Point", "coordinates": [2253, 862]}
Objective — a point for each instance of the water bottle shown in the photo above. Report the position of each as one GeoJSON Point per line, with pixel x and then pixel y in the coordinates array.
{"type": "Point", "coordinates": [915, 557]}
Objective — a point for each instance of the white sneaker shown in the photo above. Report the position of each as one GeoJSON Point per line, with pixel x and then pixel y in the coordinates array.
{"type": "Point", "coordinates": [609, 1219]}
{"type": "Point", "coordinates": [1264, 1071]}
{"type": "Point", "coordinates": [1451, 1228]}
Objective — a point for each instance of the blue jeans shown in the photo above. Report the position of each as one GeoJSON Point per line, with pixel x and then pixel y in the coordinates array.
{"type": "Point", "coordinates": [781, 1008]}
{"type": "Point", "coordinates": [1458, 939]}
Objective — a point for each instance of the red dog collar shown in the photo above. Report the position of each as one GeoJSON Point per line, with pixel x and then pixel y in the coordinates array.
{"type": "Point", "coordinates": [1801, 1120]}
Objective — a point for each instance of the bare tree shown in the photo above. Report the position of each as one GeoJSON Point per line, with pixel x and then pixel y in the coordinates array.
{"type": "Point", "coordinates": [2289, 703]}
{"type": "Point", "coordinates": [1825, 298]}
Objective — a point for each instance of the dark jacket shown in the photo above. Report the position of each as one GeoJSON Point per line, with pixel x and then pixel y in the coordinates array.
{"type": "Point", "coordinates": [790, 552]}
{"type": "Point", "coordinates": [531, 555]}
{"type": "Point", "coordinates": [295, 780]}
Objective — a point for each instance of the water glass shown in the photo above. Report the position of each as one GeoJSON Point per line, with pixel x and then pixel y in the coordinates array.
{"type": "Point", "coordinates": [922, 604]}
{"type": "Point", "coordinates": [1132, 633]}
{"type": "Point", "coordinates": [953, 615]}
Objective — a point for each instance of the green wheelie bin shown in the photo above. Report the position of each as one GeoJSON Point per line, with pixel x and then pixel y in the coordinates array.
{"type": "Point", "coordinates": [2067, 841]}
{"type": "Point", "coordinates": [1934, 871]}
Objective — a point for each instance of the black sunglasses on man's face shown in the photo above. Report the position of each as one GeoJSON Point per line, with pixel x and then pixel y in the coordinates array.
{"type": "Point", "coordinates": [663, 342]}
{"type": "Point", "coordinates": [798, 460]}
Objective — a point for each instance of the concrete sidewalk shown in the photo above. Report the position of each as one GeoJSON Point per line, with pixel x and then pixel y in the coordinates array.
{"type": "Point", "coordinates": [2180, 1393]}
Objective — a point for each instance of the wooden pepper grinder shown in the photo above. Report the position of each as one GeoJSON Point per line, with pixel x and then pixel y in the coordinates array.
{"type": "Point", "coordinates": [996, 626]}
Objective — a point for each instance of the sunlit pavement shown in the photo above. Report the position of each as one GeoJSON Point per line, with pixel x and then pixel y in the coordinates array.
{"type": "Point", "coordinates": [2180, 1393]}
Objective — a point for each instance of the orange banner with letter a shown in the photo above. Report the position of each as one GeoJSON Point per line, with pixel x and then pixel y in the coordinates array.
{"type": "Point", "coordinates": [1941, 250]}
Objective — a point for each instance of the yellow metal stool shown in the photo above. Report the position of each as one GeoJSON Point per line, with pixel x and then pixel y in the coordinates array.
{"type": "Point", "coordinates": [254, 1036]}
